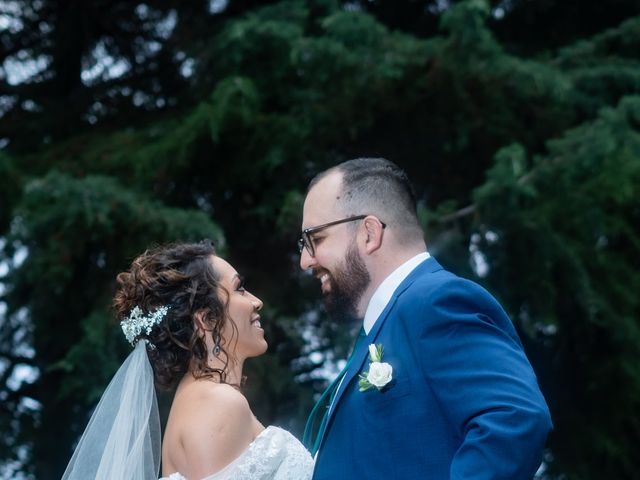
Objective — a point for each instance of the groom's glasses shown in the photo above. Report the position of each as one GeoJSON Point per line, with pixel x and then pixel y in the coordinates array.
{"type": "Point", "coordinates": [306, 241]}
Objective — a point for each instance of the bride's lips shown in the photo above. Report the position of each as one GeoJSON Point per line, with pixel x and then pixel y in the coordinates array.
{"type": "Point", "coordinates": [255, 322]}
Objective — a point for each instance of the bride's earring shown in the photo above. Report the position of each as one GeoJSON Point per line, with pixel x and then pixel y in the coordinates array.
{"type": "Point", "coordinates": [216, 346]}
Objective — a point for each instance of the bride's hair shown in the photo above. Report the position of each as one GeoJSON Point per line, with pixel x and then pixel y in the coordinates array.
{"type": "Point", "coordinates": [182, 278]}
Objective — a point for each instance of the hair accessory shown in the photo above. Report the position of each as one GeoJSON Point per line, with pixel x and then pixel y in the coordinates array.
{"type": "Point", "coordinates": [137, 322]}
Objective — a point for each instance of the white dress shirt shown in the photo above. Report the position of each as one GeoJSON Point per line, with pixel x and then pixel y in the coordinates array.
{"type": "Point", "coordinates": [385, 290]}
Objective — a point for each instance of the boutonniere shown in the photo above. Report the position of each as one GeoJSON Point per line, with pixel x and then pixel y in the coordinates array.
{"type": "Point", "coordinates": [380, 373]}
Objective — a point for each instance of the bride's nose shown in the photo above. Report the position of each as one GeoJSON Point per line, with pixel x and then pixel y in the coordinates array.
{"type": "Point", "coordinates": [257, 304]}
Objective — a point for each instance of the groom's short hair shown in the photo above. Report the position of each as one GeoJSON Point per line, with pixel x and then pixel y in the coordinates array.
{"type": "Point", "coordinates": [378, 187]}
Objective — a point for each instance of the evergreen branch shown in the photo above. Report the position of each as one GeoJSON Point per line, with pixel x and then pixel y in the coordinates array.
{"type": "Point", "coordinates": [471, 209]}
{"type": "Point", "coordinates": [463, 212]}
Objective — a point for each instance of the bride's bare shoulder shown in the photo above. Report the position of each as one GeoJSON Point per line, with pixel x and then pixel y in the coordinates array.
{"type": "Point", "coordinates": [215, 426]}
{"type": "Point", "coordinates": [206, 390]}
{"type": "Point", "coordinates": [209, 403]}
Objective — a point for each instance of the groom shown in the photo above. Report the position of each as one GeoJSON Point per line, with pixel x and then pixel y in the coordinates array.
{"type": "Point", "coordinates": [453, 395]}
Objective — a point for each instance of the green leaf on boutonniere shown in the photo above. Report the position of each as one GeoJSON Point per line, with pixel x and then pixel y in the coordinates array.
{"type": "Point", "coordinates": [364, 384]}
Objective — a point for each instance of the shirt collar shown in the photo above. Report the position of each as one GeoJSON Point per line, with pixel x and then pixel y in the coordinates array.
{"type": "Point", "coordinates": [385, 290]}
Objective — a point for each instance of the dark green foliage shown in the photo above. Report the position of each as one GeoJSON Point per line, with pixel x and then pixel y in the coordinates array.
{"type": "Point", "coordinates": [10, 188]}
{"type": "Point", "coordinates": [522, 25]}
{"type": "Point", "coordinates": [605, 67]}
{"type": "Point", "coordinates": [526, 165]}
{"type": "Point", "coordinates": [565, 262]}
{"type": "Point", "coordinates": [79, 233]}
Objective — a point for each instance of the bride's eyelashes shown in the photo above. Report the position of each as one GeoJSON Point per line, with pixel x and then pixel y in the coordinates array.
{"type": "Point", "coordinates": [240, 285]}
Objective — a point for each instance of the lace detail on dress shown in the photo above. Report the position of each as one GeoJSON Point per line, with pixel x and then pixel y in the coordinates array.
{"type": "Point", "coordinates": [275, 454]}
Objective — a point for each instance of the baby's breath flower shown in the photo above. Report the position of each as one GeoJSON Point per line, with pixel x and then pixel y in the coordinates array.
{"type": "Point", "coordinates": [137, 322]}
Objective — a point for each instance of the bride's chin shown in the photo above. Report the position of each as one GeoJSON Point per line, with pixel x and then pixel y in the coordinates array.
{"type": "Point", "coordinates": [263, 348]}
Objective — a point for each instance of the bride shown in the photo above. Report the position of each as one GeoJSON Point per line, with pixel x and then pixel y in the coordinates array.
{"type": "Point", "coordinates": [193, 324]}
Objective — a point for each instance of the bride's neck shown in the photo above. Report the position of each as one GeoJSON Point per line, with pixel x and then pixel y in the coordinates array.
{"type": "Point", "coordinates": [232, 369]}
{"type": "Point", "coordinates": [233, 374]}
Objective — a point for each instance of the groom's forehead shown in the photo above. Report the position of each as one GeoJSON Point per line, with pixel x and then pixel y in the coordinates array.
{"type": "Point", "coordinates": [321, 203]}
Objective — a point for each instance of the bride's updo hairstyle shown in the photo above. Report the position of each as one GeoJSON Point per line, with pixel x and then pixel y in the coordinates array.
{"type": "Point", "coordinates": [181, 278]}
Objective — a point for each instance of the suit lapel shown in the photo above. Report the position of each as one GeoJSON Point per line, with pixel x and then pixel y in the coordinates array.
{"type": "Point", "coordinates": [428, 266]}
{"type": "Point", "coordinates": [361, 355]}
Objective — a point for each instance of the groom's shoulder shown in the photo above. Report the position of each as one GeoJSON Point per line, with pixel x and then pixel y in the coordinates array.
{"type": "Point", "coordinates": [436, 283]}
{"type": "Point", "coordinates": [432, 277]}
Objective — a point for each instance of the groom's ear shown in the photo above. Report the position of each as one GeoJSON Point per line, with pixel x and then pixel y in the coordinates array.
{"type": "Point", "coordinates": [374, 232]}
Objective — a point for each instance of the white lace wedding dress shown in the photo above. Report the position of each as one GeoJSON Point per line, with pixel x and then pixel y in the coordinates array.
{"type": "Point", "coordinates": [275, 454]}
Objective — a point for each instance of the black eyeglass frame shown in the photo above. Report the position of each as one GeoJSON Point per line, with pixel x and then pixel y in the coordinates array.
{"type": "Point", "coordinates": [305, 240]}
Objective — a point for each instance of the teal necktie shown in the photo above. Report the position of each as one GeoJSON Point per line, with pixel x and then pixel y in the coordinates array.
{"type": "Point", "coordinates": [311, 441]}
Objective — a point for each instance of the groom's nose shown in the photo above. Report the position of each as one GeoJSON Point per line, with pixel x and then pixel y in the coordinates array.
{"type": "Point", "coordinates": [306, 260]}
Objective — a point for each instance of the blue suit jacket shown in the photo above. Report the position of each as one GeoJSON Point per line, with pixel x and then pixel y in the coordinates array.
{"type": "Point", "coordinates": [464, 402]}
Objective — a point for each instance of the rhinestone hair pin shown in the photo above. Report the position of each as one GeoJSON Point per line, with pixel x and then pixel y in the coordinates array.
{"type": "Point", "coordinates": [137, 322]}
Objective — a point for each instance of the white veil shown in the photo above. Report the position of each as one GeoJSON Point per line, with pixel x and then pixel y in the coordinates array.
{"type": "Point", "coordinates": [122, 439]}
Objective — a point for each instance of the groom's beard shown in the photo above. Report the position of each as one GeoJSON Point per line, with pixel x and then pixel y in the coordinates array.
{"type": "Point", "coordinates": [347, 284]}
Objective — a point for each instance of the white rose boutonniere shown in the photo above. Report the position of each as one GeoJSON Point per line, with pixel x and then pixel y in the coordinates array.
{"type": "Point", "coordinates": [380, 373]}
